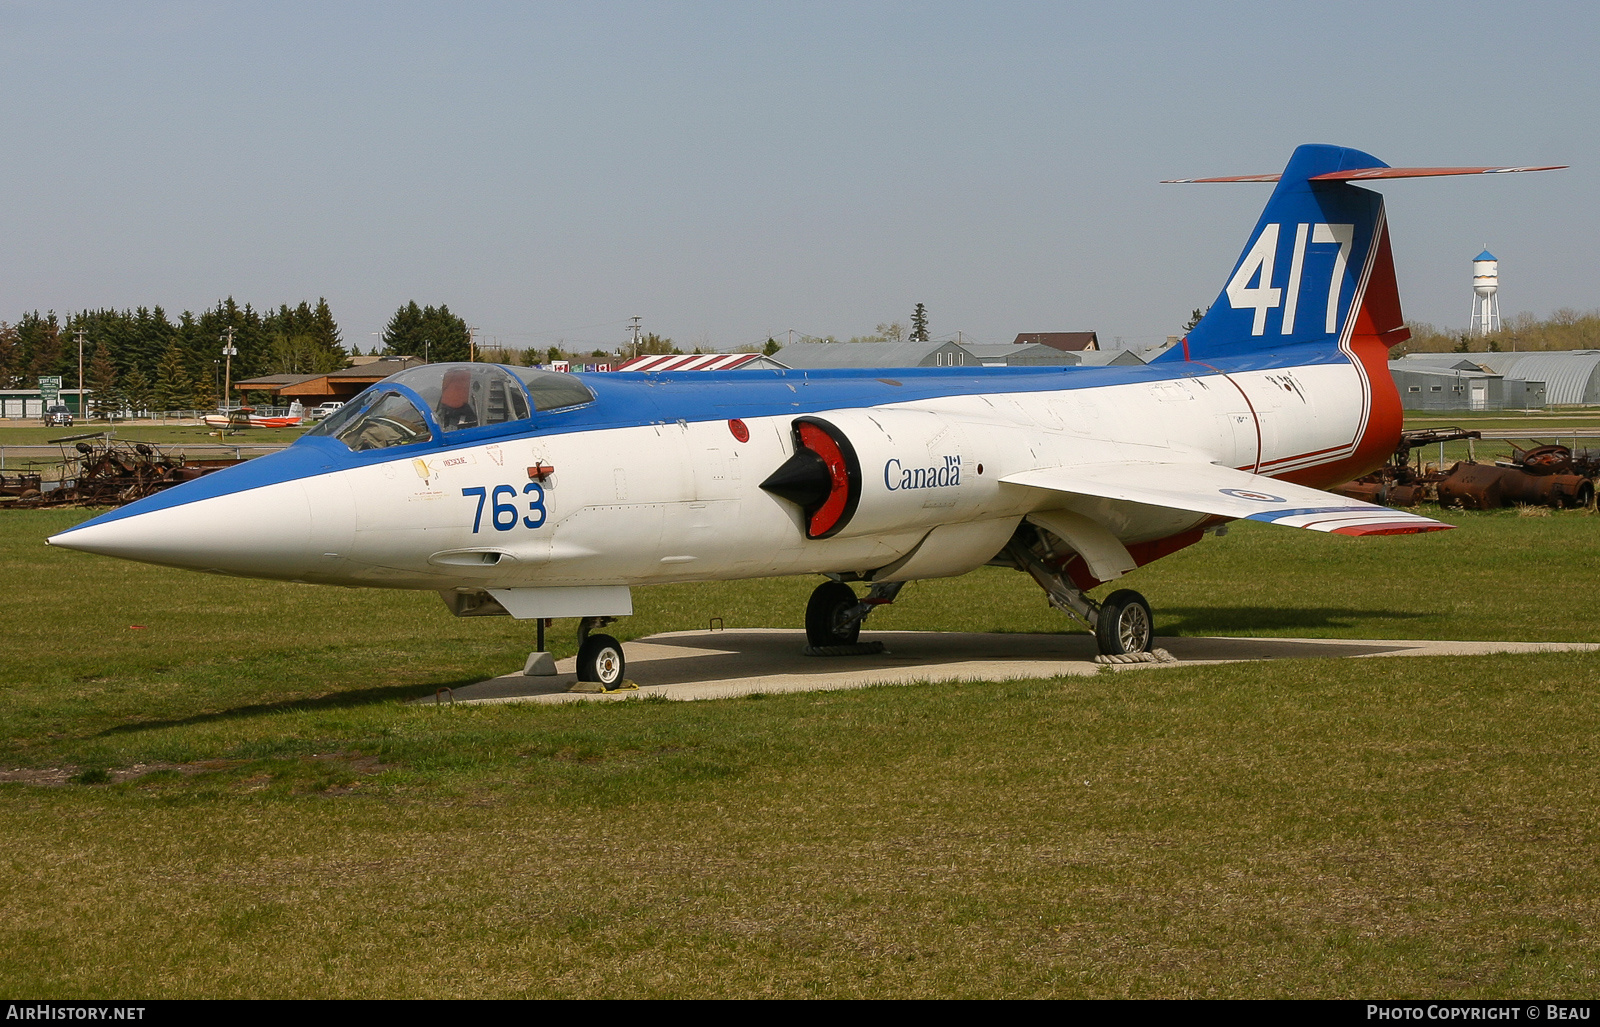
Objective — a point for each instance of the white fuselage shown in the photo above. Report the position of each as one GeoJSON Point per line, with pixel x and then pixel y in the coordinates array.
{"type": "Point", "coordinates": [682, 501]}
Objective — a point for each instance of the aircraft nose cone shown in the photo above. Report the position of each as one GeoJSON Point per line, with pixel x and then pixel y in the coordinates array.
{"type": "Point", "coordinates": [264, 532]}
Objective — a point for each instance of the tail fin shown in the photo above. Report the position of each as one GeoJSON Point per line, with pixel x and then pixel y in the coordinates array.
{"type": "Point", "coordinates": [1317, 262]}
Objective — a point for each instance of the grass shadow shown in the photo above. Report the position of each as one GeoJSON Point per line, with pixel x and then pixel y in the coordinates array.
{"type": "Point", "coordinates": [331, 701]}
{"type": "Point", "coordinates": [1210, 620]}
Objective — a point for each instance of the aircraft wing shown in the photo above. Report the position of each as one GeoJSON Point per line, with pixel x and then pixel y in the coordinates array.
{"type": "Point", "coordinates": [1226, 492]}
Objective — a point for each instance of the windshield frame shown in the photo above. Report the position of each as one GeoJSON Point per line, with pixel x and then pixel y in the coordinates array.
{"type": "Point", "coordinates": [536, 418]}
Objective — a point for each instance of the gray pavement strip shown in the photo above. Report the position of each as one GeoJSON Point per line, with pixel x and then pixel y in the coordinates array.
{"type": "Point", "coordinates": [687, 665]}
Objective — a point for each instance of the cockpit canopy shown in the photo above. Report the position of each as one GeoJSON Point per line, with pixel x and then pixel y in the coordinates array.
{"type": "Point", "coordinates": [453, 397]}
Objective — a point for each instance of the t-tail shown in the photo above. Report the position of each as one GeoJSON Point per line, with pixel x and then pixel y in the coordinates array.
{"type": "Point", "coordinates": [1317, 270]}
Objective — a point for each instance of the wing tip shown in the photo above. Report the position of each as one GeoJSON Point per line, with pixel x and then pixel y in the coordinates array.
{"type": "Point", "coordinates": [1392, 528]}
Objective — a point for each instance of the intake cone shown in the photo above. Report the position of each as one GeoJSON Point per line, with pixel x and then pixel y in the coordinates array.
{"type": "Point", "coordinates": [803, 480]}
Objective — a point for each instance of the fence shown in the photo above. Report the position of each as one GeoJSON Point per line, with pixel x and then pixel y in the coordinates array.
{"type": "Point", "coordinates": [38, 458]}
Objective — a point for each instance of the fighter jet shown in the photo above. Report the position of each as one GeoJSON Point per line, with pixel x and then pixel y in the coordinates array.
{"type": "Point", "coordinates": [538, 494]}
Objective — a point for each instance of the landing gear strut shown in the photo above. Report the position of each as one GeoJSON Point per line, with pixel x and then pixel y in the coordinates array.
{"type": "Point", "coordinates": [1122, 624]}
{"type": "Point", "coordinates": [834, 614]}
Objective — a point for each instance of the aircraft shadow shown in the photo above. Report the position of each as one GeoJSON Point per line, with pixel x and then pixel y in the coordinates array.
{"type": "Point", "coordinates": [332, 701]}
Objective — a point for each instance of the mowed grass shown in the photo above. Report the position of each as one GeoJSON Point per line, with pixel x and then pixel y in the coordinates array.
{"type": "Point", "coordinates": [213, 788]}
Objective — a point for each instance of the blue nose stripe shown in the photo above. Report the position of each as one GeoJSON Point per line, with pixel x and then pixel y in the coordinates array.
{"type": "Point", "coordinates": [307, 458]}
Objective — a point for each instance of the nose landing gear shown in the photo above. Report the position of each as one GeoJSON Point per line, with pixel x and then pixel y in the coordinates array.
{"type": "Point", "coordinates": [600, 659]}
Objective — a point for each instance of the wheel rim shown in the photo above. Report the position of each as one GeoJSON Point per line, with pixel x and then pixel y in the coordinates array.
{"type": "Point", "coordinates": [1133, 628]}
{"type": "Point", "coordinates": [608, 666]}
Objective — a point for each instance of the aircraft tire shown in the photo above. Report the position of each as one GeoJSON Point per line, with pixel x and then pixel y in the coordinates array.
{"type": "Point", "coordinates": [1125, 624]}
{"type": "Point", "coordinates": [600, 659]}
{"type": "Point", "coordinates": [824, 612]}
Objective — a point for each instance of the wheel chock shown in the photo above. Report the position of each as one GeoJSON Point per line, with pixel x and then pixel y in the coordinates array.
{"type": "Point", "coordinates": [596, 688]}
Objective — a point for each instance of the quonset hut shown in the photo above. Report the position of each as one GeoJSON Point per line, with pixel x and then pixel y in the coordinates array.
{"type": "Point", "coordinates": [1530, 380]}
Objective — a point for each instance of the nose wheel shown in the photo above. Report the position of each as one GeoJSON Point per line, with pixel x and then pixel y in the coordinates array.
{"type": "Point", "coordinates": [600, 659]}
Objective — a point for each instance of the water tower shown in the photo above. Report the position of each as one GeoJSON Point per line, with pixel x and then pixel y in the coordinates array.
{"type": "Point", "coordinates": [1485, 298]}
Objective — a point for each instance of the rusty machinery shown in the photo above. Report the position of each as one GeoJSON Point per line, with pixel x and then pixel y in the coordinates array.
{"type": "Point", "coordinates": [100, 470]}
{"type": "Point", "coordinates": [1538, 476]}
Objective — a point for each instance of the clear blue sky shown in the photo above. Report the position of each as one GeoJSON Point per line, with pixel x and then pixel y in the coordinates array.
{"type": "Point", "coordinates": [732, 170]}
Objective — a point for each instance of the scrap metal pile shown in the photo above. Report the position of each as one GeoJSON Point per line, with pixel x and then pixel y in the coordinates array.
{"type": "Point", "coordinates": [102, 471]}
{"type": "Point", "coordinates": [1552, 476]}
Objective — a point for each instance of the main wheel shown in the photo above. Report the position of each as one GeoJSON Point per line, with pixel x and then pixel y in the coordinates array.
{"type": "Point", "coordinates": [825, 620]}
{"type": "Point", "coordinates": [1124, 624]}
{"type": "Point", "coordinates": [600, 659]}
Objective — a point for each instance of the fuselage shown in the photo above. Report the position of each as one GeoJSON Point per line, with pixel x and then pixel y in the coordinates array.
{"type": "Point", "coordinates": [658, 477]}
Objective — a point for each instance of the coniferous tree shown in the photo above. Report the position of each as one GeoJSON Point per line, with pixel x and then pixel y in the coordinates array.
{"type": "Point", "coordinates": [325, 330]}
{"type": "Point", "coordinates": [41, 343]}
{"type": "Point", "coordinates": [173, 390]}
{"type": "Point", "coordinates": [204, 390]}
{"type": "Point", "coordinates": [432, 333]}
{"type": "Point", "coordinates": [10, 357]}
{"type": "Point", "coordinates": [101, 379]}
{"type": "Point", "coordinates": [136, 391]}
{"type": "Point", "coordinates": [919, 324]}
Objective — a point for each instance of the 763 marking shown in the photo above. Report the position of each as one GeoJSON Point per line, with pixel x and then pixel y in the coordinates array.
{"type": "Point", "coordinates": [504, 513]}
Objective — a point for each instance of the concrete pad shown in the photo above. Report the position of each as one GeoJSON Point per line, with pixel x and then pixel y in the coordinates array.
{"type": "Point", "coordinates": [721, 664]}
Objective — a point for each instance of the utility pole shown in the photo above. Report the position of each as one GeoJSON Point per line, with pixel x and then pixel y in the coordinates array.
{"type": "Point", "coordinates": [472, 345]}
{"type": "Point", "coordinates": [230, 352]}
{"type": "Point", "coordinates": [636, 335]}
{"type": "Point", "coordinates": [79, 334]}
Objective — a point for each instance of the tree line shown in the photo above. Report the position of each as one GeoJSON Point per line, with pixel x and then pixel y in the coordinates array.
{"type": "Point", "coordinates": [1564, 329]}
{"type": "Point", "coordinates": [145, 360]}
{"type": "Point", "coordinates": [142, 359]}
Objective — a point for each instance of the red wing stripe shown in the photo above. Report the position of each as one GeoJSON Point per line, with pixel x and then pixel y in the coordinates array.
{"type": "Point", "coordinates": [1393, 528]}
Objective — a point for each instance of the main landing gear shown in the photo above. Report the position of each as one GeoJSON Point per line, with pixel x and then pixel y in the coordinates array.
{"type": "Point", "coordinates": [834, 616]}
{"type": "Point", "coordinates": [1122, 625]}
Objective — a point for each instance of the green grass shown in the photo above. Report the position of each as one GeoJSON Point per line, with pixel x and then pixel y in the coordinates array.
{"type": "Point", "coordinates": [231, 800]}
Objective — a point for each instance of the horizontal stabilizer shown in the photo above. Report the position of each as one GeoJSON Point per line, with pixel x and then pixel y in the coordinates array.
{"type": "Point", "coordinates": [1361, 174]}
{"type": "Point", "coordinates": [1226, 492]}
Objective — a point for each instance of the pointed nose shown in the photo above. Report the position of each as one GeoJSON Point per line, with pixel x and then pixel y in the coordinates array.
{"type": "Point", "coordinates": [263, 532]}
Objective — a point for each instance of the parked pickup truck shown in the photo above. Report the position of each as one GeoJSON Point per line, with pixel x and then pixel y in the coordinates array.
{"type": "Point", "coordinates": [318, 413]}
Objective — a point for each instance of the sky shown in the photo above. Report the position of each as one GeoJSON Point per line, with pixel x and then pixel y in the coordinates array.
{"type": "Point", "coordinates": [732, 171]}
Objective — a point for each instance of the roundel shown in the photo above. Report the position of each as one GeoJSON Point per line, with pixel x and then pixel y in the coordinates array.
{"type": "Point", "coordinates": [1259, 497]}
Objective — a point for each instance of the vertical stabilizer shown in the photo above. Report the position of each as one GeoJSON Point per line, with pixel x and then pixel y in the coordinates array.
{"type": "Point", "coordinates": [1316, 265]}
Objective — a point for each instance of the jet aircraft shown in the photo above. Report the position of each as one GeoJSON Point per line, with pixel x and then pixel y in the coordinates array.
{"type": "Point", "coordinates": [539, 494]}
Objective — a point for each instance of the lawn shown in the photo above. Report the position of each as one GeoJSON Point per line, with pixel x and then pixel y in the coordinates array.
{"type": "Point", "coordinates": [213, 788]}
